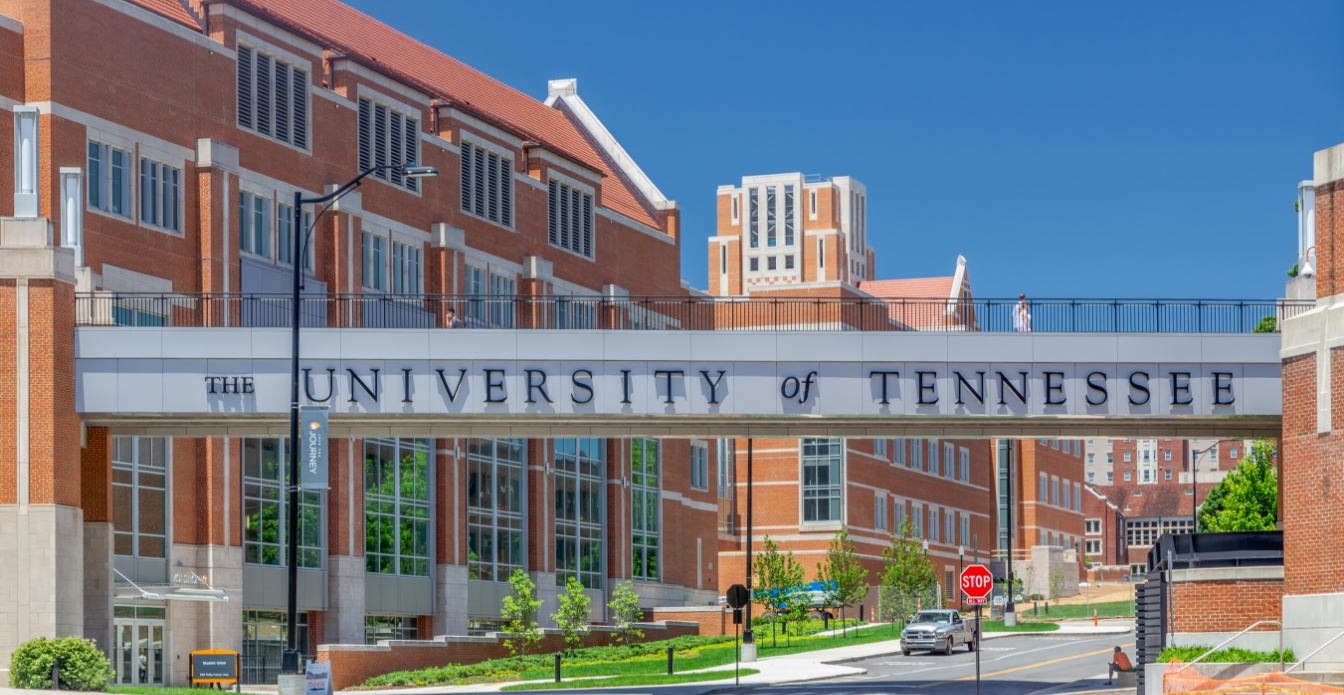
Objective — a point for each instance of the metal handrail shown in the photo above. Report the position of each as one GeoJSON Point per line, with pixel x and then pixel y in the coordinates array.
{"type": "Point", "coordinates": [1314, 652]}
{"type": "Point", "coordinates": [1227, 641]}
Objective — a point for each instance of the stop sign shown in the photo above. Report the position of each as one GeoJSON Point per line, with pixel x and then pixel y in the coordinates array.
{"type": "Point", "coordinates": [976, 581]}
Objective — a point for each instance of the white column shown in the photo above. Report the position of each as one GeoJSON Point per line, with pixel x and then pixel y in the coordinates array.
{"type": "Point", "coordinates": [26, 144]}
{"type": "Point", "coordinates": [72, 211]}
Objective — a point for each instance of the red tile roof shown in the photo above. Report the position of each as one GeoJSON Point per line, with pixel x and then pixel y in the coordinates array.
{"type": "Point", "coordinates": [172, 9]}
{"type": "Point", "coordinates": [1162, 499]}
{"type": "Point", "coordinates": [930, 308]}
{"type": "Point", "coordinates": [352, 33]}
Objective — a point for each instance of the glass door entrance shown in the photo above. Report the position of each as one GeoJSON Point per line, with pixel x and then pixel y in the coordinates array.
{"type": "Point", "coordinates": [138, 633]}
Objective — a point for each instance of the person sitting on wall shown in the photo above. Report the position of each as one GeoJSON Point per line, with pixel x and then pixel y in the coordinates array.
{"type": "Point", "coordinates": [1119, 664]}
{"type": "Point", "coordinates": [452, 320]}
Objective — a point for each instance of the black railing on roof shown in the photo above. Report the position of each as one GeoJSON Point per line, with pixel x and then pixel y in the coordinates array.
{"type": "Point", "coordinates": [553, 312]}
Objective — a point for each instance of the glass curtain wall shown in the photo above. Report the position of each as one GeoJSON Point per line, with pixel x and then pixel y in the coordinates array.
{"type": "Point", "coordinates": [580, 467]}
{"type": "Point", "coordinates": [496, 508]}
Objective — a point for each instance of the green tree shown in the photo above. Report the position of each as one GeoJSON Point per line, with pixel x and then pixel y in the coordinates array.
{"type": "Point", "coordinates": [906, 574]}
{"type": "Point", "coordinates": [520, 614]}
{"type": "Point", "coordinates": [572, 616]}
{"type": "Point", "coordinates": [625, 612]}
{"type": "Point", "coordinates": [1268, 324]}
{"type": "Point", "coordinates": [844, 574]}
{"type": "Point", "coordinates": [1248, 498]}
{"type": "Point", "coordinates": [779, 581]}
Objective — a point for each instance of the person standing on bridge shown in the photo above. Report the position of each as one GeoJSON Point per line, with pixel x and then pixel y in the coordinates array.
{"type": "Point", "coordinates": [452, 321]}
{"type": "Point", "coordinates": [1022, 315]}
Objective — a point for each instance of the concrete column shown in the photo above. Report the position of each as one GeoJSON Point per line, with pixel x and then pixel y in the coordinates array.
{"type": "Point", "coordinates": [450, 600]}
{"type": "Point", "coordinates": [41, 520]}
{"type": "Point", "coordinates": [345, 614]}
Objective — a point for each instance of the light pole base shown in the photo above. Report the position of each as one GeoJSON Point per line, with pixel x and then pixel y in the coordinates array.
{"type": "Point", "coordinates": [289, 662]}
{"type": "Point", "coordinates": [291, 684]}
{"type": "Point", "coordinates": [748, 652]}
{"type": "Point", "coordinates": [1009, 619]}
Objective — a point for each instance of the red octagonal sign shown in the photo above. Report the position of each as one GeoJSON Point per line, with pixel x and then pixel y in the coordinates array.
{"type": "Point", "coordinates": [976, 581]}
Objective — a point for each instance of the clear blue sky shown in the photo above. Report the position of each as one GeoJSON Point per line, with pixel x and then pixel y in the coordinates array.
{"type": "Point", "coordinates": [1144, 149]}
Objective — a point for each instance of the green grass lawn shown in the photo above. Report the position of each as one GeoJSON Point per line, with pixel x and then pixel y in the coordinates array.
{"type": "Point", "coordinates": [620, 681]}
{"type": "Point", "coordinates": [1113, 609]}
{"type": "Point", "coordinates": [997, 626]}
{"type": "Point", "coordinates": [157, 690]}
{"type": "Point", "coordinates": [708, 656]}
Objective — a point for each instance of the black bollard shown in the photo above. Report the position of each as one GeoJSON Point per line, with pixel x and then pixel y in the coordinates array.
{"type": "Point", "coordinates": [669, 661]}
{"type": "Point", "coordinates": [1035, 608]}
{"type": "Point", "coordinates": [1047, 608]}
{"type": "Point", "coordinates": [557, 667]}
{"type": "Point", "coordinates": [55, 674]}
{"type": "Point", "coordinates": [825, 621]}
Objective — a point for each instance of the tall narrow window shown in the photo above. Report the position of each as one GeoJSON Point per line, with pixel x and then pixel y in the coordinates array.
{"type": "Point", "coordinates": [390, 138]}
{"type": "Point", "coordinates": [933, 456]}
{"type": "Point", "coordinates": [570, 218]}
{"type": "Point", "coordinates": [265, 502]}
{"type": "Point", "coordinates": [917, 454]}
{"type": "Point", "coordinates": [396, 506]}
{"type": "Point", "coordinates": [284, 239]}
{"type": "Point", "coordinates": [753, 218]}
{"type": "Point", "coordinates": [272, 97]}
{"type": "Point", "coordinates": [898, 452]}
{"type": "Point", "coordinates": [374, 255]}
{"type": "Point", "coordinates": [487, 184]}
{"type": "Point", "coordinates": [821, 253]}
{"type": "Point", "coordinates": [965, 529]}
{"type": "Point", "coordinates": [949, 460]}
{"type": "Point", "coordinates": [496, 508]}
{"type": "Point", "coordinates": [476, 293]}
{"type": "Point", "coordinates": [406, 268]}
{"type": "Point", "coordinates": [812, 204]}
{"type": "Point", "coordinates": [723, 258]}
{"type": "Point", "coordinates": [735, 208]}
{"type": "Point", "coordinates": [140, 496]}
{"type": "Point", "coordinates": [822, 479]}
{"type": "Point", "coordinates": [769, 215]}
{"type": "Point", "coordinates": [699, 467]}
{"type": "Point", "coordinates": [580, 470]}
{"type": "Point", "coordinates": [254, 224]}
{"type": "Point", "coordinates": [502, 299]}
{"type": "Point", "coordinates": [965, 465]}
{"type": "Point", "coordinates": [109, 180]}
{"type": "Point", "coordinates": [788, 215]}
{"type": "Point", "coordinates": [645, 508]}
{"type": "Point", "coordinates": [159, 186]}
{"type": "Point", "coordinates": [880, 511]}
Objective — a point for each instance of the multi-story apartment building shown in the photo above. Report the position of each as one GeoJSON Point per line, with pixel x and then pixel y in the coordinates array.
{"type": "Point", "coordinates": [1157, 461]}
{"type": "Point", "coordinates": [1048, 478]}
{"type": "Point", "coordinates": [164, 142]}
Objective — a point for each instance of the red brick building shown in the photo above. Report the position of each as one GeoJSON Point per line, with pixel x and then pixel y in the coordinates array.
{"type": "Point", "coordinates": [163, 143]}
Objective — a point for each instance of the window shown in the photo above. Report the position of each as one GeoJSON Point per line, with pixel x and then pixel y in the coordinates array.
{"type": "Point", "coordinates": [387, 138]}
{"type": "Point", "coordinates": [1232, 453]}
{"type": "Point", "coordinates": [933, 524]}
{"type": "Point", "coordinates": [917, 516]}
{"type": "Point", "coordinates": [264, 635]}
{"type": "Point", "coordinates": [880, 448]}
{"type": "Point", "coordinates": [898, 451]}
{"type": "Point", "coordinates": [1054, 491]}
{"type": "Point", "coordinates": [965, 530]}
{"type": "Point", "coordinates": [1166, 455]}
{"type": "Point", "coordinates": [1092, 527]}
{"type": "Point", "coordinates": [770, 216]}
{"type": "Point", "coordinates": [770, 263]}
{"type": "Point", "coordinates": [917, 454]}
{"type": "Point", "coordinates": [699, 466]}
{"type": "Point", "coordinates": [933, 456]}
{"type": "Point", "coordinates": [1127, 478]}
{"type": "Point", "coordinates": [949, 460]}
{"type": "Point", "coordinates": [272, 97]}
{"type": "Point", "coordinates": [821, 253]}
{"type": "Point", "coordinates": [899, 508]}
{"type": "Point", "coordinates": [1043, 488]}
{"type": "Point", "coordinates": [1077, 497]}
{"type": "Point", "coordinates": [389, 627]}
{"type": "Point", "coordinates": [788, 217]}
{"type": "Point", "coordinates": [140, 496]}
{"type": "Point", "coordinates": [109, 179]}
{"type": "Point", "coordinates": [1110, 458]}
{"type": "Point", "coordinates": [949, 527]}
{"type": "Point", "coordinates": [1054, 443]}
{"type": "Point", "coordinates": [159, 188]}
{"type": "Point", "coordinates": [1141, 532]}
{"type": "Point", "coordinates": [754, 263]}
{"type": "Point", "coordinates": [736, 205]}
{"type": "Point", "coordinates": [396, 506]}
{"type": "Point", "coordinates": [487, 184]}
{"type": "Point", "coordinates": [753, 220]}
{"type": "Point", "coordinates": [1093, 548]}
{"type": "Point", "coordinates": [265, 503]}
{"type": "Point", "coordinates": [284, 236]}
{"type": "Point", "coordinates": [965, 465]}
{"type": "Point", "coordinates": [1147, 476]}
{"type": "Point", "coordinates": [580, 467]}
{"type": "Point", "coordinates": [822, 471]}
{"type": "Point", "coordinates": [496, 508]}
{"type": "Point", "coordinates": [254, 224]}
{"type": "Point", "coordinates": [1110, 477]}
{"type": "Point", "coordinates": [1127, 456]}
{"type": "Point", "coordinates": [374, 254]}
{"type": "Point", "coordinates": [880, 511]}
{"type": "Point", "coordinates": [1166, 474]}
{"type": "Point", "coordinates": [1147, 456]}
{"type": "Point", "coordinates": [812, 204]}
{"type": "Point", "coordinates": [1091, 459]}
{"type": "Point", "coordinates": [726, 509]}
{"type": "Point", "coordinates": [502, 291]}
{"type": "Point", "coordinates": [475, 288]}
{"type": "Point", "coordinates": [571, 218]}
{"type": "Point", "coordinates": [788, 262]}
{"type": "Point", "coordinates": [1091, 477]}
{"type": "Point", "coordinates": [406, 264]}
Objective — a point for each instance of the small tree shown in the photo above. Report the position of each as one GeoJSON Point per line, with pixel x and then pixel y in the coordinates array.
{"type": "Point", "coordinates": [779, 577]}
{"type": "Point", "coordinates": [906, 573]}
{"type": "Point", "coordinates": [845, 576]}
{"type": "Point", "coordinates": [625, 612]}
{"type": "Point", "coordinates": [572, 616]}
{"type": "Point", "coordinates": [1057, 582]}
{"type": "Point", "coordinates": [1248, 498]}
{"type": "Point", "coordinates": [520, 614]}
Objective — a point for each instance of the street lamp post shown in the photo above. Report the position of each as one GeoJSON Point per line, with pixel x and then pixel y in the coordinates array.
{"type": "Point", "coordinates": [1194, 489]}
{"type": "Point", "coordinates": [290, 662]}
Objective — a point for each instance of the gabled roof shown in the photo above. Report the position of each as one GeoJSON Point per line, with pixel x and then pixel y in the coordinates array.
{"type": "Point", "coordinates": [1162, 499]}
{"type": "Point", "coordinates": [357, 36]}
{"type": "Point", "coordinates": [939, 300]}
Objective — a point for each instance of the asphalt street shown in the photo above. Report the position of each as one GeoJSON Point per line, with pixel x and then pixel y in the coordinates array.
{"type": "Point", "coordinates": [1023, 665]}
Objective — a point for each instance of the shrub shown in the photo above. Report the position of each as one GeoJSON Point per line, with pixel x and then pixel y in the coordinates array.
{"type": "Point", "coordinates": [82, 666]}
{"type": "Point", "coordinates": [1231, 655]}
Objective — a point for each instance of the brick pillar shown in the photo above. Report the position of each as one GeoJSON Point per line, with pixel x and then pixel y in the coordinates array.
{"type": "Point", "coordinates": [41, 520]}
{"type": "Point", "coordinates": [96, 494]}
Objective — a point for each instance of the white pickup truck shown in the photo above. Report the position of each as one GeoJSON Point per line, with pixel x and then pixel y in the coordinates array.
{"type": "Point", "coordinates": [937, 631]}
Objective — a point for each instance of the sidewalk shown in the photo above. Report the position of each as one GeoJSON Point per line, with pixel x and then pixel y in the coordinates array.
{"type": "Point", "coordinates": [801, 668]}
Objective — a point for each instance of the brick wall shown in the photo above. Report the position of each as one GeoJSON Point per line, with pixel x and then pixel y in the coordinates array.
{"type": "Point", "coordinates": [712, 620]}
{"type": "Point", "coordinates": [354, 664]}
{"type": "Point", "coordinates": [1226, 605]}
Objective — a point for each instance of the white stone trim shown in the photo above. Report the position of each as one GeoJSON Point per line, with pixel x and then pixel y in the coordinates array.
{"type": "Point", "coordinates": [402, 90]}
{"type": "Point", "coordinates": [117, 279]}
{"type": "Point", "coordinates": [523, 177]}
{"type": "Point", "coordinates": [11, 24]}
{"type": "Point", "coordinates": [398, 230]}
{"type": "Point", "coordinates": [427, 138]}
{"type": "Point", "coordinates": [586, 119]}
{"type": "Point", "coordinates": [106, 131]}
{"type": "Point", "coordinates": [572, 182]}
{"type": "Point", "coordinates": [246, 19]}
{"type": "Point", "coordinates": [556, 159]}
{"type": "Point", "coordinates": [482, 128]}
{"type": "Point", "coordinates": [635, 225]}
{"type": "Point", "coordinates": [260, 45]}
{"type": "Point", "coordinates": [673, 496]}
{"type": "Point", "coordinates": [330, 95]}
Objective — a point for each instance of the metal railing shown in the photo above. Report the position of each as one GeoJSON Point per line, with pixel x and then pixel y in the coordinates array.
{"type": "Point", "coordinates": [549, 312]}
{"type": "Point", "coordinates": [1314, 652]}
{"type": "Point", "coordinates": [1248, 628]}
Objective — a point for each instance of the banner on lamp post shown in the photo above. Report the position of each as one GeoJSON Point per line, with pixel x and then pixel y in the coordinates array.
{"type": "Point", "coordinates": [313, 474]}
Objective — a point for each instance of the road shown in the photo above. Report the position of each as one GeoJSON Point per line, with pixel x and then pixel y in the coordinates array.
{"type": "Point", "coordinates": [1024, 665]}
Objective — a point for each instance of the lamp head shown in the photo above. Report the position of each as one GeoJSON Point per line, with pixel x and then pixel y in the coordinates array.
{"type": "Point", "coordinates": [411, 171]}
{"type": "Point", "coordinates": [1307, 271]}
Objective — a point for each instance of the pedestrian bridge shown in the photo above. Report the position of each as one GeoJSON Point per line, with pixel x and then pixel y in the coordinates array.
{"type": "Point", "coordinates": [195, 365]}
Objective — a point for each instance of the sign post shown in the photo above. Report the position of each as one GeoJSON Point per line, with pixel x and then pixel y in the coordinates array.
{"type": "Point", "coordinates": [738, 597]}
{"type": "Point", "coordinates": [977, 582]}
